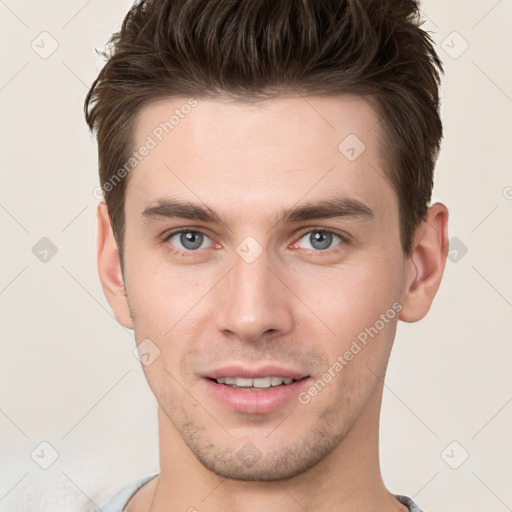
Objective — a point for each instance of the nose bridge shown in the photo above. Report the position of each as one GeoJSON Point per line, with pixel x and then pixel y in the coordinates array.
{"type": "Point", "coordinates": [254, 299]}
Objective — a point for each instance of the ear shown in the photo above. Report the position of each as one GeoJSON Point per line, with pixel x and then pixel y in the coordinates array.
{"type": "Point", "coordinates": [109, 269]}
{"type": "Point", "coordinates": [425, 265]}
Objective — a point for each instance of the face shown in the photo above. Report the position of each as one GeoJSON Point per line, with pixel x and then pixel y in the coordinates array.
{"type": "Point", "coordinates": [263, 241]}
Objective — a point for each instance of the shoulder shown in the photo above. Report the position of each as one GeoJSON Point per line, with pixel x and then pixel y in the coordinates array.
{"type": "Point", "coordinates": [117, 502]}
{"type": "Point", "coordinates": [408, 501]}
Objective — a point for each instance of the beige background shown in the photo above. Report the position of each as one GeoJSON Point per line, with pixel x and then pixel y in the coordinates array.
{"type": "Point", "coordinates": [68, 376]}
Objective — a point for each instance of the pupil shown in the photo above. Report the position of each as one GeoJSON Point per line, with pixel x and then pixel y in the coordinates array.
{"type": "Point", "coordinates": [323, 238]}
{"type": "Point", "coordinates": [191, 240]}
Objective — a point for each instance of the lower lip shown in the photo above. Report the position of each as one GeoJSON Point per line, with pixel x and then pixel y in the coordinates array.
{"type": "Point", "coordinates": [255, 401]}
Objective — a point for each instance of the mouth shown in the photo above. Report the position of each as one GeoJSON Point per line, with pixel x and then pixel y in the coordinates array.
{"type": "Point", "coordinates": [259, 383]}
{"type": "Point", "coordinates": [254, 391]}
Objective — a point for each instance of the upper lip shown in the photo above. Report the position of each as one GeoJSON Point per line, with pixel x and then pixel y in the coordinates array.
{"type": "Point", "coordinates": [255, 372]}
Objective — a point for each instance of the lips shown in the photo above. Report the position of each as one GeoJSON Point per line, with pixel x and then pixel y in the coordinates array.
{"type": "Point", "coordinates": [257, 383]}
{"type": "Point", "coordinates": [262, 372]}
{"type": "Point", "coordinates": [247, 390]}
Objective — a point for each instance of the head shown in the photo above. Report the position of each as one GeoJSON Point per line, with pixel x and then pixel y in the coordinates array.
{"type": "Point", "coordinates": [267, 169]}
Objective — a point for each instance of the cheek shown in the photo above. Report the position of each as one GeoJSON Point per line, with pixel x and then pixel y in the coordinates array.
{"type": "Point", "coordinates": [350, 298]}
{"type": "Point", "coordinates": [167, 306]}
{"type": "Point", "coordinates": [358, 312]}
{"type": "Point", "coordinates": [162, 297]}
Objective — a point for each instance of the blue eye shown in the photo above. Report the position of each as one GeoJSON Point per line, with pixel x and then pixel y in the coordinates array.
{"type": "Point", "coordinates": [320, 239]}
{"type": "Point", "coordinates": [190, 240]}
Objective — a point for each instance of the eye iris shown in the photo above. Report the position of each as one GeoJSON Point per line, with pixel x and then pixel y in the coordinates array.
{"type": "Point", "coordinates": [191, 237]}
{"type": "Point", "coordinates": [324, 239]}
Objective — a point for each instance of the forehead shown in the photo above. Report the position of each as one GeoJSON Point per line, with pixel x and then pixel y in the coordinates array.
{"type": "Point", "coordinates": [277, 151]}
{"type": "Point", "coordinates": [318, 121]}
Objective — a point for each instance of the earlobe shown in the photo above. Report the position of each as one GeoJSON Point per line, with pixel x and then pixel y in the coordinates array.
{"type": "Point", "coordinates": [426, 264]}
{"type": "Point", "coordinates": [109, 268]}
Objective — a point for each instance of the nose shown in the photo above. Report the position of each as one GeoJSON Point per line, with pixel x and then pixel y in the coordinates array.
{"type": "Point", "coordinates": [254, 301]}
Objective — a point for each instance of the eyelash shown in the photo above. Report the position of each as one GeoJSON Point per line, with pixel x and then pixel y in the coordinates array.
{"type": "Point", "coordinates": [343, 237]}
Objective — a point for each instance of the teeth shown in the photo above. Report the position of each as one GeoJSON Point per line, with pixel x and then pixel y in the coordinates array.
{"type": "Point", "coordinates": [260, 383]}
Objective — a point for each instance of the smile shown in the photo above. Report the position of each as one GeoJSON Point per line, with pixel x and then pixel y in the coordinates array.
{"type": "Point", "coordinates": [258, 383]}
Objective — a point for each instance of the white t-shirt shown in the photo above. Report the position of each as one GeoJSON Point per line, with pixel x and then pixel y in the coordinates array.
{"type": "Point", "coordinates": [119, 500]}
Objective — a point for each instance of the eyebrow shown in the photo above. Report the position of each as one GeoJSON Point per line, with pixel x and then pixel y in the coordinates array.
{"type": "Point", "coordinates": [334, 207]}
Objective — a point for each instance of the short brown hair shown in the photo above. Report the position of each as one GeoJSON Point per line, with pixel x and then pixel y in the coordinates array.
{"type": "Point", "coordinates": [258, 49]}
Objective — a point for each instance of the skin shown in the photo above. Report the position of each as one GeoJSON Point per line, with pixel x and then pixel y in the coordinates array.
{"type": "Point", "coordinates": [296, 305]}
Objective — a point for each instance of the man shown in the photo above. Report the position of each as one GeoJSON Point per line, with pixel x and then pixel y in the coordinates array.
{"type": "Point", "coordinates": [267, 170]}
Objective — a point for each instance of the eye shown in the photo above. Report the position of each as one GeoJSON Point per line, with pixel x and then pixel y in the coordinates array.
{"type": "Point", "coordinates": [189, 240]}
{"type": "Point", "coordinates": [320, 239]}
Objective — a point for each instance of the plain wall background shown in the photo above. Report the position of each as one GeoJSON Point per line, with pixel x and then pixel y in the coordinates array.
{"type": "Point", "coordinates": [68, 375]}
